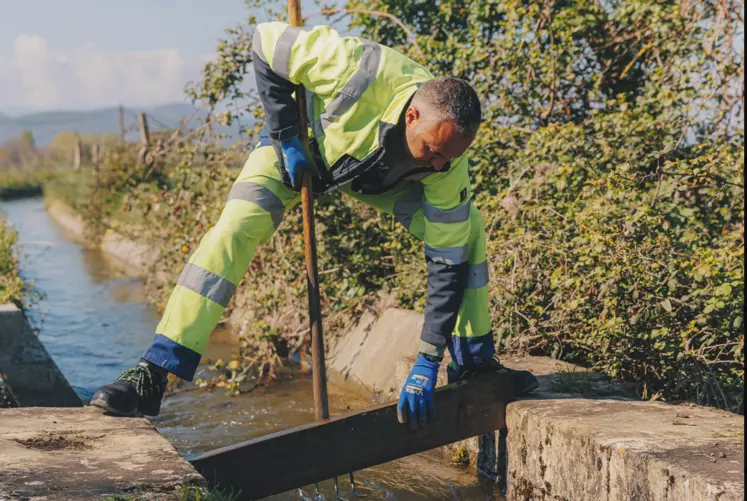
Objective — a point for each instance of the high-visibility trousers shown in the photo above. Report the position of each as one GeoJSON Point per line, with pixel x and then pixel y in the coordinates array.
{"type": "Point", "coordinates": [255, 208]}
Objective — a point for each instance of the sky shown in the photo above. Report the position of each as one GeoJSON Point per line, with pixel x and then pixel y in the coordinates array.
{"type": "Point", "coordinates": [85, 54]}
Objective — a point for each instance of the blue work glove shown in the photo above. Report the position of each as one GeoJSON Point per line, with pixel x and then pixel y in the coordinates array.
{"type": "Point", "coordinates": [295, 160]}
{"type": "Point", "coordinates": [416, 399]}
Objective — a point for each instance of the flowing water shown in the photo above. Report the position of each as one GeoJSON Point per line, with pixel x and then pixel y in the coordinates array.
{"type": "Point", "coordinates": [95, 322]}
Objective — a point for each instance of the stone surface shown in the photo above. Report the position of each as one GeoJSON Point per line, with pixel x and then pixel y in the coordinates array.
{"type": "Point", "coordinates": [608, 450]}
{"type": "Point", "coordinates": [30, 373]}
{"type": "Point", "coordinates": [71, 222]}
{"type": "Point", "coordinates": [369, 353]}
{"type": "Point", "coordinates": [134, 256]}
{"type": "Point", "coordinates": [80, 454]}
{"type": "Point", "coordinates": [139, 257]}
{"type": "Point", "coordinates": [557, 379]}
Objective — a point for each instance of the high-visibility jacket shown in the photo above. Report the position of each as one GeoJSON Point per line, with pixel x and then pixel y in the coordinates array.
{"type": "Point", "coordinates": [357, 91]}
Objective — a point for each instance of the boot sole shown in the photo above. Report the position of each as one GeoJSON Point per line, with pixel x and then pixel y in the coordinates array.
{"type": "Point", "coordinates": [528, 389]}
{"type": "Point", "coordinates": [150, 412]}
{"type": "Point", "coordinates": [103, 404]}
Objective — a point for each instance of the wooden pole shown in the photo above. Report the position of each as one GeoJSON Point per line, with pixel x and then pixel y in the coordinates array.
{"type": "Point", "coordinates": [121, 125]}
{"type": "Point", "coordinates": [77, 153]}
{"type": "Point", "coordinates": [95, 156]}
{"type": "Point", "coordinates": [144, 137]}
{"type": "Point", "coordinates": [321, 404]}
{"type": "Point", "coordinates": [144, 131]}
{"type": "Point", "coordinates": [96, 167]}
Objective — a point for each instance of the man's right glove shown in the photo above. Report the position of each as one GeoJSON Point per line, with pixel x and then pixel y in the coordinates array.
{"type": "Point", "coordinates": [416, 399]}
{"type": "Point", "coordinates": [296, 161]}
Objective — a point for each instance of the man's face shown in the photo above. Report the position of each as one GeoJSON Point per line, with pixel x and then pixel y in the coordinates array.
{"type": "Point", "coordinates": [432, 142]}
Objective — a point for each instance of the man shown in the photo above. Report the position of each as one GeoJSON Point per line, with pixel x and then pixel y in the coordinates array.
{"type": "Point", "coordinates": [383, 131]}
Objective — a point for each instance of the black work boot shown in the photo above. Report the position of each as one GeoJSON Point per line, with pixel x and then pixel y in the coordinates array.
{"type": "Point", "coordinates": [523, 381]}
{"type": "Point", "coordinates": [139, 389]}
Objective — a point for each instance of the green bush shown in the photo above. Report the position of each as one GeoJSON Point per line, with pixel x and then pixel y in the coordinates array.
{"type": "Point", "coordinates": [18, 182]}
{"type": "Point", "coordinates": [11, 286]}
{"type": "Point", "coordinates": [610, 174]}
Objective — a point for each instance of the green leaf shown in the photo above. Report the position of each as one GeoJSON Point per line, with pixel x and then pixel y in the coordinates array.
{"type": "Point", "coordinates": [667, 305]}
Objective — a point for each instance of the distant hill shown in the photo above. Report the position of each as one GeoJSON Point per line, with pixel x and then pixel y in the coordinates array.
{"type": "Point", "coordinates": [46, 125]}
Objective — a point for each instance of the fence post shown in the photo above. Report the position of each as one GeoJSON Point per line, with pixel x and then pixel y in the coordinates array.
{"type": "Point", "coordinates": [95, 154]}
{"type": "Point", "coordinates": [121, 125]}
{"type": "Point", "coordinates": [96, 226]}
{"type": "Point", "coordinates": [144, 138]}
{"type": "Point", "coordinates": [76, 154]}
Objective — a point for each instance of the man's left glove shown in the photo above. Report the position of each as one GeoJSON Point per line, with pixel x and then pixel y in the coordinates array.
{"type": "Point", "coordinates": [416, 398]}
{"type": "Point", "coordinates": [296, 161]}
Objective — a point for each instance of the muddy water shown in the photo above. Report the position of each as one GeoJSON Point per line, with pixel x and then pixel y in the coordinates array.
{"type": "Point", "coordinates": [95, 322]}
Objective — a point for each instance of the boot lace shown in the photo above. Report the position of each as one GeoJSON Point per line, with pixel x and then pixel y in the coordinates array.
{"type": "Point", "coordinates": [141, 377]}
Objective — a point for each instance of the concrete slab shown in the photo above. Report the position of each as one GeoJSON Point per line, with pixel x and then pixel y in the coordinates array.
{"type": "Point", "coordinates": [370, 351]}
{"type": "Point", "coordinates": [136, 257]}
{"type": "Point", "coordinates": [611, 450]}
{"type": "Point", "coordinates": [557, 379]}
{"type": "Point", "coordinates": [81, 454]}
{"type": "Point", "coordinates": [30, 373]}
{"type": "Point", "coordinates": [607, 446]}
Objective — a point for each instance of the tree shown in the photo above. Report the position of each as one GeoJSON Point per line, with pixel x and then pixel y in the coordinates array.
{"type": "Point", "coordinates": [18, 151]}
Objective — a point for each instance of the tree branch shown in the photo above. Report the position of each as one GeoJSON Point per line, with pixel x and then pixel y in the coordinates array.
{"type": "Point", "coordinates": [637, 56]}
{"type": "Point", "coordinates": [391, 17]}
{"type": "Point", "coordinates": [554, 83]}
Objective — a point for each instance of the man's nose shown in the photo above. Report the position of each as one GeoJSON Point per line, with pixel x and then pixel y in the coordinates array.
{"type": "Point", "coordinates": [438, 162]}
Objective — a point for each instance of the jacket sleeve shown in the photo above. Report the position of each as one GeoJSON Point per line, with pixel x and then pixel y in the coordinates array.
{"type": "Point", "coordinates": [446, 208]}
{"type": "Point", "coordinates": [286, 57]}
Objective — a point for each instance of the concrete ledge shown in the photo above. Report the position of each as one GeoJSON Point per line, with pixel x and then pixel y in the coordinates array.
{"type": "Point", "coordinates": [557, 379]}
{"type": "Point", "coordinates": [606, 450]}
{"type": "Point", "coordinates": [32, 376]}
{"type": "Point", "coordinates": [135, 256]}
{"type": "Point", "coordinates": [80, 454]}
{"type": "Point", "coordinates": [605, 446]}
{"type": "Point", "coordinates": [369, 353]}
{"type": "Point", "coordinates": [139, 257]}
{"type": "Point", "coordinates": [71, 222]}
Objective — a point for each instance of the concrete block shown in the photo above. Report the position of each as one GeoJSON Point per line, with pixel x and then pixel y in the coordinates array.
{"type": "Point", "coordinates": [369, 353]}
{"type": "Point", "coordinates": [135, 256]}
{"type": "Point", "coordinates": [612, 450]}
{"type": "Point", "coordinates": [557, 379]}
{"type": "Point", "coordinates": [33, 377]}
{"type": "Point", "coordinates": [81, 454]}
{"type": "Point", "coordinates": [70, 222]}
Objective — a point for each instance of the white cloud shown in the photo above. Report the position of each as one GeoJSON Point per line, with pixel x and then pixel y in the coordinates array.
{"type": "Point", "coordinates": [36, 77]}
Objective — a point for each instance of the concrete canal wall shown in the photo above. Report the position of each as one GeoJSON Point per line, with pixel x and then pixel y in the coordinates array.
{"type": "Point", "coordinates": [133, 256]}
{"type": "Point", "coordinates": [612, 450]}
{"type": "Point", "coordinates": [32, 377]}
{"type": "Point", "coordinates": [581, 437]}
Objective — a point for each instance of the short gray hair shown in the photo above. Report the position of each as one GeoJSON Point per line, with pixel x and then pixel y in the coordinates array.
{"type": "Point", "coordinates": [455, 100]}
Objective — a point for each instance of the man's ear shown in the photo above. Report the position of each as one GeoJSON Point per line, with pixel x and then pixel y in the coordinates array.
{"type": "Point", "coordinates": [412, 115]}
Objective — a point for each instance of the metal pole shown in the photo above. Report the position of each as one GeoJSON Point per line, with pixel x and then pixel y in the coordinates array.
{"type": "Point", "coordinates": [321, 406]}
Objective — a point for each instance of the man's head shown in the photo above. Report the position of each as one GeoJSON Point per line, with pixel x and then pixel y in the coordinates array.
{"type": "Point", "coordinates": [441, 122]}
